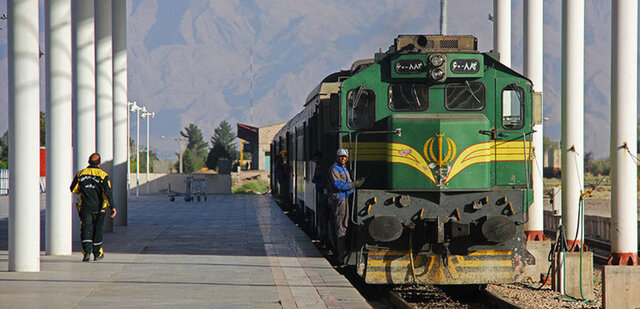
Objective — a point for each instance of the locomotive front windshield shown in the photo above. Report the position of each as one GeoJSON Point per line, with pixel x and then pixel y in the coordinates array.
{"type": "Point", "coordinates": [465, 96]}
{"type": "Point", "coordinates": [408, 97]}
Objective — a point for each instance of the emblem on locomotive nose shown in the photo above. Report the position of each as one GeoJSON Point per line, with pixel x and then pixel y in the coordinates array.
{"type": "Point", "coordinates": [440, 150]}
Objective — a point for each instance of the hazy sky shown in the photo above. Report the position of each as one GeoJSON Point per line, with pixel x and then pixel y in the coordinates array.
{"type": "Point", "coordinates": [255, 62]}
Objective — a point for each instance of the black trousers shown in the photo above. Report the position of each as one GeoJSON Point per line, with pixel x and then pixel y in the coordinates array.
{"type": "Point", "coordinates": [91, 225]}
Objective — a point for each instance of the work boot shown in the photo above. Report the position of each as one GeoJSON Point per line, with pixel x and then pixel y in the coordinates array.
{"type": "Point", "coordinates": [86, 256]}
{"type": "Point", "coordinates": [98, 255]}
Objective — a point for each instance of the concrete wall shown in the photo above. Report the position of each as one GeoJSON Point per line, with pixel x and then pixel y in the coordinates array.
{"type": "Point", "coordinates": [159, 182]}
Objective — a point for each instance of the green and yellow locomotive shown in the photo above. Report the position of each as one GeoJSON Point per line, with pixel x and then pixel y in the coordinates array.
{"type": "Point", "coordinates": [442, 134]}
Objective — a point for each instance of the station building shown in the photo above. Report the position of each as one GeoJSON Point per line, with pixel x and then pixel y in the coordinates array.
{"type": "Point", "coordinates": [259, 139]}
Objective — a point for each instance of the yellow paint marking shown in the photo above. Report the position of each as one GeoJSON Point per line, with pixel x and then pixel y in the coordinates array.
{"type": "Point", "coordinates": [491, 252]}
{"type": "Point", "coordinates": [485, 263]}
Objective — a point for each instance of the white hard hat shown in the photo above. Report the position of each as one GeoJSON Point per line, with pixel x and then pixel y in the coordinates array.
{"type": "Point", "coordinates": [342, 153]}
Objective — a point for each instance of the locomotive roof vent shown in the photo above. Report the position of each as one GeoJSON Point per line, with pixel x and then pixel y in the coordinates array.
{"type": "Point", "coordinates": [435, 43]}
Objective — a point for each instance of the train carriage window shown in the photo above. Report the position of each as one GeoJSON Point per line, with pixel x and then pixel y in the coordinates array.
{"type": "Point", "coordinates": [408, 97]}
{"type": "Point", "coordinates": [465, 96]}
{"type": "Point", "coordinates": [361, 104]}
{"type": "Point", "coordinates": [512, 107]}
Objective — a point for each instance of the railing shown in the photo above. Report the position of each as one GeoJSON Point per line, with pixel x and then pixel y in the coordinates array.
{"type": "Point", "coordinates": [595, 227]}
{"type": "Point", "coordinates": [4, 182]}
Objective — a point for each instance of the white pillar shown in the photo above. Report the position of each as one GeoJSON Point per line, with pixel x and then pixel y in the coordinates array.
{"type": "Point", "coordinates": [57, 21]}
{"type": "Point", "coordinates": [84, 83]}
{"type": "Point", "coordinates": [624, 175]}
{"type": "Point", "coordinates": [572, 116]}
{"type": "Point", "coordinates": [104, 90]}
{"type": "Point", "coordinates": [443, 17]}
{"type": "Point", "coordinates": [533, 67]}
{"type": "Point", "coordinates": [24, 135]}
{"type": "Point", "coordinates": [502, 30]}
{"type": "Point", "coordinates": [120, 111]}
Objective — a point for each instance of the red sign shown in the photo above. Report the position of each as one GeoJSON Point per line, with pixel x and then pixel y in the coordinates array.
{"type": "Point", "coordinates": [43, 162]}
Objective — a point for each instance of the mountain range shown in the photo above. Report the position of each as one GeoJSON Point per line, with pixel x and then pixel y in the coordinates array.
{"type": "Point", "coordinates": [254, 62]}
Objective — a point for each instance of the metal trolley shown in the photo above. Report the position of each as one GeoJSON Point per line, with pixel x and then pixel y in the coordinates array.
{"type": "Point", "coordinates": [196, 189]}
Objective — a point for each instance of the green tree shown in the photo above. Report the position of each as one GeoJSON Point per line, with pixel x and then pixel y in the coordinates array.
{"type": "Point", "coordinates": [43, 130]}
{"type": "Point", "coordinates": [548, 143]}
{"type": "Point", "coordinates": [196, 152]}
{"type": "Point", "coordinates": [4, 150]}
{"type": "Point", "coordinates": [4, 143]}
{"type": "Point", "coordinates": [143, 161]}
{"type": "Point", "coordinates": [222, 145]}
{"type": "Point", "coordinates": [191, 161]}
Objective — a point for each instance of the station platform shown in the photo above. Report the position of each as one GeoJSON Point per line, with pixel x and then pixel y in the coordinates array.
{"type": "Point", "coordinates": [232, 251]}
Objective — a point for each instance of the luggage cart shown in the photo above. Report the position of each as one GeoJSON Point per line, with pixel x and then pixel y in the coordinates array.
{"type": "Point", "coordinates": [196, 189]}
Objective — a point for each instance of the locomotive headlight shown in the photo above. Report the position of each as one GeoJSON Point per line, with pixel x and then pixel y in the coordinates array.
{"type": "Point", "coordinates": [436, 60]}
{"type": "Point", "coordinates": [436, 74]}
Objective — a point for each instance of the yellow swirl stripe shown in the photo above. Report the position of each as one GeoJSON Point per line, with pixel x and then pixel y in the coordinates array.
{"type": "Point", "coordinates": [404, 154]}
{"type": "Point", "coordinates": [487, 152]}
{"type": "Point", "coordinates": [391, 152]}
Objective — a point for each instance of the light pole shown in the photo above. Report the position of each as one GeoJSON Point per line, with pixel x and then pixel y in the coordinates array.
{"type": "Point", "coordinates": [132, 109]}
{"type": "Point", "coordinates": [143, 110]}
{"type": "Point", "coordinates": [148, 115]}
{"type": "Point", "coordinates": [181, 141]}
{"type": "Point", "coordinates": [136, 108]}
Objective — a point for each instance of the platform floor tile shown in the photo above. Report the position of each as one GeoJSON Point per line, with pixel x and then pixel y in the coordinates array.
{"type": "Point", "coordinates": [232, 251]}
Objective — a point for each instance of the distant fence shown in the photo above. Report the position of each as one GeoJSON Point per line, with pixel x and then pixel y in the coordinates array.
{"type": "Point", "coordinates": [595, 227]}
{"type": "Point", "coordinates": [4, 182]}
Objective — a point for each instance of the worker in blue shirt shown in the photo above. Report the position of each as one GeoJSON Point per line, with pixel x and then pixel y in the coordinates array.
{"type": "Point", "coordinates": [340, 187]}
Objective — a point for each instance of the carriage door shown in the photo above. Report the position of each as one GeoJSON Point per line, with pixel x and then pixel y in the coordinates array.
{"type": "Point", "coordinates": [509, 148]}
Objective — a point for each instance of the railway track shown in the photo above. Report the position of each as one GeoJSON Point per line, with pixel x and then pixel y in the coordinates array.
{"type": "Point", "coordinates": [601, 250]}
{"type": "Point", "coordinates": [446, 297]}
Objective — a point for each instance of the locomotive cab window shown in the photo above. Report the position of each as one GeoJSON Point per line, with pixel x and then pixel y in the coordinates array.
{"type": "Point", "coordinates": [408, 97]}
{"type": "Point", "coordinates": [466, 96]}
{"type": "Point", "coordinates": [361, 104]}
{"type": "Point", "coordinates": [512, 107]}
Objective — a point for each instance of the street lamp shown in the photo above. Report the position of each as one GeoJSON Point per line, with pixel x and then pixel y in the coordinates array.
{"type": "Point", "coordinates": [183, 146]}
{"type": "Point", "coordinates": [135, 108]}
{"type": "Point", "coordinates": [148, 115]}
{"type": "Point", "coordinates": [132, 106]}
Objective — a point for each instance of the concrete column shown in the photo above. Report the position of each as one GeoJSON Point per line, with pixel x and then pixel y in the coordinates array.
{"type": "Point", "coordinates": [443, 17]}
{"type": "Point", "coordinates": [572, 117]}
{"type": "Point", "coordinates": [104, 90]}
{"type": "Point", "coordinates": [624, 172]}
{"type": "Point", "coordinates": [120, 111]}
{"type": "Point", "coordinates": [24, 135]}
{"type": "Point", "coordinates": [84, 83]}
{"type": "Point", "coordinates": [502, 30]}
{"type": "Point", "coordinates": [57, 21]}
{"type": "Point", "coordinates": [533, 56]}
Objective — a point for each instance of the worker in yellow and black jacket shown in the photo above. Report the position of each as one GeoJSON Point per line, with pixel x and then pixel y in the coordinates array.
{"type": "Point", "coordinates": [94, 189]}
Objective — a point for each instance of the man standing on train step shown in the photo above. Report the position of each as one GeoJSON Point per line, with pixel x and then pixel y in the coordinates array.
{"type": "Point", "coordinates": [340, 187]}
{"type": "Point", "coordinates": [94, 189]}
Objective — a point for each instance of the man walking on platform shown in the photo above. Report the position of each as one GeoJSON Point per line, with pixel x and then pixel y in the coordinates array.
{"type": "Point", "coordinates": [340, 187]}
{"type": "Point", "coordinates": [94, 189]}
